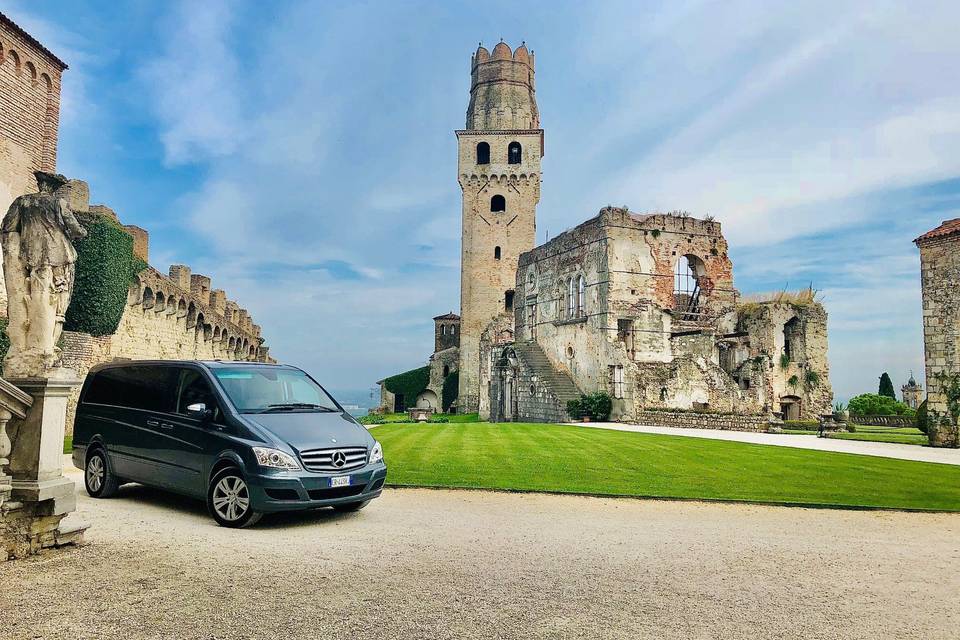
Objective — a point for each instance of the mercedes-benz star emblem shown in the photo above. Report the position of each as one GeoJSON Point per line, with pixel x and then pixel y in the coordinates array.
{"type": "Point", "coordinates": [339, 459]}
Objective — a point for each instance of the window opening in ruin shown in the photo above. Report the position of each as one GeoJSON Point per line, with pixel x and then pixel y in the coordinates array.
{"type": "Point", "coordinates": [616, 380]}
{"type": "Point", "coordinates": [446, 370]}
{"type": "Point", "coordinates": [508, 301]}
{"type": "Point", "coordinates": [514, 153]}
{"type": "Point", "coordinates": [571, 297]}
{"type": "Point", "coordinates": [625, 334]}
{"type": "Point", "coordinates": [532, 320]}
{"type": "Point", "coordinates": [498, 203]}
{"type": "Point", "coordinates": [792, 334]}
{"type": "Point", "coordinates": [496, 253]}
{"type": "Point", "coordinates": [686, 288]}
{"type": "Point", "coordinates": [581, 296]}
{"type": "Point", "coordinates": [483, 153]}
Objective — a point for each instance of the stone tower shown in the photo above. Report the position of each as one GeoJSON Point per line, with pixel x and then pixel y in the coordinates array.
{"type": "Point", "coordinates": [499, 173]}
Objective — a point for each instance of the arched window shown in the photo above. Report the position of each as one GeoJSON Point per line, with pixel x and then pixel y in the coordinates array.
{"type": "Point", "coordinates": [453, 330]}
{"type": "Point", "coordinates": [498, 203]}
{"type": "Point", "coordinates": [446, 370]}
{"type": "Point", "coordinates": [581, 297]}
{"type": "Point", "coordinates": [483, 153]}
{"type": "Point", "coordinates": [508, 301]}
{"type": "Point", "coordinates": [496, 253]}
{"type": "Point", "coordinates": [443, 329]}
{"type": "Point", "coordinates": [514, 153]}
{"type": "Point", "coordinates": [571, 297]}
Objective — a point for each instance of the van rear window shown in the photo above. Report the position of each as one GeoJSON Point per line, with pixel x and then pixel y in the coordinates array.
{"type": "Point", "coordinates": [148, 388]}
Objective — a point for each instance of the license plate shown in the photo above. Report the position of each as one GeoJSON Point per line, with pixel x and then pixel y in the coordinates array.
{"type": "Point", "coordinates": [340, 481]}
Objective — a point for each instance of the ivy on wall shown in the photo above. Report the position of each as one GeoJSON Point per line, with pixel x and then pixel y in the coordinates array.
{"type": "Point", "coordinates": [4, 339]}
{"type": "Point", "coordinates": [105, 268]}
{"type": "Point", "coordinates": [410, 384]}
{"type": "Point", "coordinates": [451, 388]}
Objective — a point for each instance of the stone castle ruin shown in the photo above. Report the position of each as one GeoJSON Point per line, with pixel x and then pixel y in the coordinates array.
{"type": "Point", "coordinates": [642, 306]}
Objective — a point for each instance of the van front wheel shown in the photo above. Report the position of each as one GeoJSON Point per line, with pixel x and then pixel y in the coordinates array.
{"type": "Point", "coordinates": [229, 500]}
{"type": "Point", "coordinates": [97, 476]}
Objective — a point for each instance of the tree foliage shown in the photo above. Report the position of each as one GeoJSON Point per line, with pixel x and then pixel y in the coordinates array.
{"type": "Point", "coordinates": [595, 405]}
{"type": "Point", "coordinates": [886, 386]}
{"type": "Point", "coordinates": [922, 416]}
{"type": "Point", "coordinates": [105, 268]}
{"type": "Point", "coordinates": [410, 384]}
{"type": "Point", "coordinates": [872, 404]}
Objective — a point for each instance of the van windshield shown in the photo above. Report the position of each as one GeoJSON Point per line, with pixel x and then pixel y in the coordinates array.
{"type": "Point", "coordinates": [270, 390]}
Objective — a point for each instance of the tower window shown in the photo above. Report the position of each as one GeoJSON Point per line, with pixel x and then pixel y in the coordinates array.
{"type": "Point", "coordinates": [581, 296]}
{"type": "Point", "coordinates": [508, 301]}
{"type": "Point", "coordinates": [496, 253]}
{"type": "Point", "coordinates": [483, 153]}
{"type": "Point", "coordinates": [514, 153]}
{"type": "Point", "coordinates": [498, 203]}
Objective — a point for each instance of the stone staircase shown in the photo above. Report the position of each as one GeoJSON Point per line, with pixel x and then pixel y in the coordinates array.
{"type": "Point", "coordinates": [557, 381]}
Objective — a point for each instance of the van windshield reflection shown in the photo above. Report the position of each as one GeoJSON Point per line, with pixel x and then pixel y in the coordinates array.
{"type": "Point", "coordinates": [269, 390]}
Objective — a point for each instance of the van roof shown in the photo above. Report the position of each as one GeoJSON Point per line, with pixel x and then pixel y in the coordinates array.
{"type": "Point", "coordinates": [210, 364]}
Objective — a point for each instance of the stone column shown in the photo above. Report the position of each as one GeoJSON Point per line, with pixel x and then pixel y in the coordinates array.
{"type": "Point", "coordinates": [40, 495]}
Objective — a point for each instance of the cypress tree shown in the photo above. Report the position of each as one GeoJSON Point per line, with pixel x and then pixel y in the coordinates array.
{"type": "Point", "coordinates": [886, 386]}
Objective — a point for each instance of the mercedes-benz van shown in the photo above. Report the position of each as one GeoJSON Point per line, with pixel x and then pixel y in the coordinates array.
{"type": "Point", "coordinates": [249, 438]}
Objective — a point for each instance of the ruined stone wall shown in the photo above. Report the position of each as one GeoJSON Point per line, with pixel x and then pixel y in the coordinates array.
{"type": "Point", "coordinates": [764, 324]}
{"type": "Point", "coordinates": [29, 114]}
{"type": "Point", "coordinates": [703, 420]}
{"type": "Point", "coordinates": [165, 320]}
{"type": "Point", "coordinates": [940, 279]}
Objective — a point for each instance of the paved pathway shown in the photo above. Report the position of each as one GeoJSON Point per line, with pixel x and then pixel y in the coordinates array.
{"type": "Point", "coordinates": [880, 449]}
{"type": "Point", "coordinates": [491, 566]}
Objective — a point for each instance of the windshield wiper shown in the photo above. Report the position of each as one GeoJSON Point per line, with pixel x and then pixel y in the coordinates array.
{"type": "Point", "coordinates": [280, 406]}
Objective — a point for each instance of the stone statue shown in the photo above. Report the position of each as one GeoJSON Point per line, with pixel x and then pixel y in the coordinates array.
{"type": "Point", "coordinates": [38, 265]}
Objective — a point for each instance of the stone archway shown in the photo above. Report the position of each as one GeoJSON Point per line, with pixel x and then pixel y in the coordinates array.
{"type": "Point", "coordinates": [790, 407]}
{"type": "Point", "coordinates": [428, 400]}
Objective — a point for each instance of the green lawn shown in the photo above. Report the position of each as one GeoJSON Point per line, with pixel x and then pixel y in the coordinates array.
{"type": "Point", "coordinates": [566, 459]}
{"type": "Point", "coordinates": [68, 444]}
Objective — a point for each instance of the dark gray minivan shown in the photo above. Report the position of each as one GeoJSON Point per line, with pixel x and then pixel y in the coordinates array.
{"type": "Point", "coordinates": [249, 438]}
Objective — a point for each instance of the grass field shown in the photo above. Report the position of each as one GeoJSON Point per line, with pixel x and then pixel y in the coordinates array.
{"type": "Point", "coordinates": [557, 458]}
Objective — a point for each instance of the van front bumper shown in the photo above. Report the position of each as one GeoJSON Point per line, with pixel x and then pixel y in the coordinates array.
{"type": "Point", "coordinates": [296, 490]}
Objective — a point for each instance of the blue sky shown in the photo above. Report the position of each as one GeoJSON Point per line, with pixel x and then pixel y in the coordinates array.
{"type": "Point", "coordinates": [302, 153]}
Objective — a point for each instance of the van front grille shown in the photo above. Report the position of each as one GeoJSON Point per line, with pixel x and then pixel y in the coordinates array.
{"type": "Point", "coordinates": [334, 460]}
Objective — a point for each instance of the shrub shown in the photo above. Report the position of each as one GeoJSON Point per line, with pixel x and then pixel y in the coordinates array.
{"type": "Point", "coordinates": [439, 419]}
{"type": "Point", "coordinates": [922, 416]}
{"type": "Point", "coordinates": [596, 405]}
{"type": "Point", "coordinates": [872, 404]}
{"type": "Point", "coordinates": [105, 268]}
{"type": "Point", "coordinates": [852, 428]}
{"type": "Point", "coordinates": [784, 361]}
{"type": "Point", "coordinates": [575, 409]}
{"type": "Point", "coordinates": [811, 380]}
{"type": "Point", "coordinates": [372, 418]}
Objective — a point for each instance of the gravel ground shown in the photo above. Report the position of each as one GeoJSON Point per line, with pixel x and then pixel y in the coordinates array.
{"type": "Point", "coordinates": [461, 564]}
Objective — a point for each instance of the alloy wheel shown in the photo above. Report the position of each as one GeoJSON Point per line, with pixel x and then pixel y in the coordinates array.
{"type": "Point", "coordinates": [231, 499]}
{"type": "Point", "coordinates": [95, 473]}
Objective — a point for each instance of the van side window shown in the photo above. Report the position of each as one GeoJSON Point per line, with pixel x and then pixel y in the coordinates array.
{"type": "Point", "coordinates": [194, 388]}
{"type": "Point", "coordinates": [147, 388]}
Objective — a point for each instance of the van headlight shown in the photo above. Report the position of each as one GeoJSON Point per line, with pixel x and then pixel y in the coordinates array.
{"type": "Point", "coordinates": [275, 459]}
{"type": "Point", "coordinates": [376, 454]}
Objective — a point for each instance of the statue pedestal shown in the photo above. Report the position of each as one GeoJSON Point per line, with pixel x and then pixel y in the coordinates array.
{"type": "Point", "coordinates": [40, 495]}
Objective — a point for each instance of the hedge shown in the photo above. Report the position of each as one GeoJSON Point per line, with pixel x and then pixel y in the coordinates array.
{"type": "Point", "coordinates": [410, 384]}
{"type": "Point", "coordinates": [105, 268]}
{"type": "Point", "coordinates": [451, 388]}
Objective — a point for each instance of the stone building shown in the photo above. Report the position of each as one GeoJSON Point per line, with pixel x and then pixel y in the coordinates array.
{"type": "Point", "coordinates": [912, 393]}
{"type": "Point", "coordinates": [642, 306]}
{"type": "Point", "coordinates": [29, 114]}
{"type": "Point", "coordinates": [498, 169]}
{"type": "Point", "coordinates": [940, 282]}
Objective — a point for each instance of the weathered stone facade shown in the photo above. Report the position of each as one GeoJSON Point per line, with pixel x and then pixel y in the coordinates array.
{"type": "Point", "coordinates": [912, 393]}
{"type": "Point", "coordinates": [29, 114]}
{"type": "Point", "coordinates": [940, 281]}
{"type": "Point", "coordinates": [606, 303]}
{"type": "Point", "coordinates": [499, 156]}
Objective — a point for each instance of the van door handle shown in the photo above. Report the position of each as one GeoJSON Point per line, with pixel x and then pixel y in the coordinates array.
{"type": "Point", "coordinates": [166, 425]}
{"type": "Point", "coordinates": [153, 423]}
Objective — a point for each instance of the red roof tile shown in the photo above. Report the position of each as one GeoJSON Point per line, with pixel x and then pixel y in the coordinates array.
{"type": "Point", "coordinates": [948, 228]}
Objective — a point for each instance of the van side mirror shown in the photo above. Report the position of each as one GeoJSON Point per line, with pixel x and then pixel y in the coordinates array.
{"type": "Point", "coordinates": [199, 411]}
